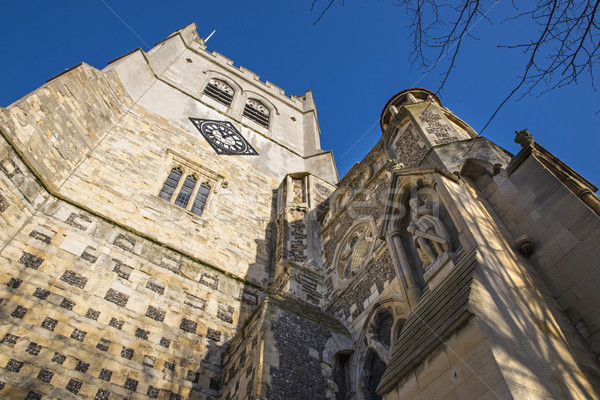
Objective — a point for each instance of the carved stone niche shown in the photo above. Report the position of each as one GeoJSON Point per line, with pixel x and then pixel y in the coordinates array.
{"type": "Point", "coordinates": [422, 234]}
{"type": "Point", "coordinates": [429, 235]}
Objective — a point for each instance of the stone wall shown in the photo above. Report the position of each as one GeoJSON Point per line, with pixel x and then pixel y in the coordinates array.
{"type": "Point", "coordinates": [20, 193]}
{"type": "Point", "coordinates": [177, 70]}
{"type": "Point", "coordinates": [93, 309]}
{"type": "Point", "coordinates": [242, 361]}
{"type": "Point", "coordinates": [285, 351]}
{"type": "Point", "coordinates": [464, 368]}
{"type": "Point", "coordinates": [56, 126]}
{"type": "Point", "coordinates": [367, 204]}
{"type": "Point", "coordinates": [364, 289]}
{"type": "Point", "coordinates": [121, 179]}
{"type": "Point", "coordinates": [532, 201]}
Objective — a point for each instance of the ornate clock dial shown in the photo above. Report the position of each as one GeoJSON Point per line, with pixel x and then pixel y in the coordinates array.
{"type": "Point", "coordinates": [223, 137]}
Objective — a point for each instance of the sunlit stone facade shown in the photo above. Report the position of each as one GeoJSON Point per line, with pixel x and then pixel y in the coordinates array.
{"type": "Point", "coordinates": [171, 229]}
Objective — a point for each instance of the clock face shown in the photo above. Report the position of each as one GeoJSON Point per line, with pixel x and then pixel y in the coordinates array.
{"type": "Point", "coordinates": [223, 137]}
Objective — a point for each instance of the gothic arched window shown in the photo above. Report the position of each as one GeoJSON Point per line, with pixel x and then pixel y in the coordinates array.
{"type": "Point", "coordinates": [186, 191]}
{"type": "Point", "coordinates": [379, 336]}
{"type": "Point", "coordinates": [220, 91]}
{"type": "Point", "coordinates": [201, 197]}
{"type": "Point", "coordinates": [258, 112]}
{"type": "Point", "coordinates": [170, 184]}
{"type": "Point", "coordinates": [181, 195]}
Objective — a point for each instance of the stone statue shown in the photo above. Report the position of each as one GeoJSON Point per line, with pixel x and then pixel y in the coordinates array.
{"type": "Point", "coordinates": [429, 233]}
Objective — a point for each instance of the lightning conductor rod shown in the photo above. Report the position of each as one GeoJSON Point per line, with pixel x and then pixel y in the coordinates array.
{"type": "Point", "coordinates": [209, 36]}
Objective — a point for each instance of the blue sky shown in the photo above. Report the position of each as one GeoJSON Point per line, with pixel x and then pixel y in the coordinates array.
{"type": "Point", "coordinates": [353, 60]}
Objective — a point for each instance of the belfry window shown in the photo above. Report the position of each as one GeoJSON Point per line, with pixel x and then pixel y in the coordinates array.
{"type": "Point", "coordinates": [258, 112]}
{"type": "Point", "coordinates": [220, 91]}
{"type": "Point", "coordinates": [181, 193]}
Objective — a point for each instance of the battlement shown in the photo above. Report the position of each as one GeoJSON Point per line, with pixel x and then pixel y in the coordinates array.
{"type": "Point", "coordinates": [229, 63]}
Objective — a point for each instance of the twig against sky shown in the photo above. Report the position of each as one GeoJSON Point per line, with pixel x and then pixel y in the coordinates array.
{"type": "Point", "coordinates": [565, 46]}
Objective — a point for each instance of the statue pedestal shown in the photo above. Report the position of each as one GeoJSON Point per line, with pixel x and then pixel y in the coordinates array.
{"type": "Point", "coordinates": [437, 270]}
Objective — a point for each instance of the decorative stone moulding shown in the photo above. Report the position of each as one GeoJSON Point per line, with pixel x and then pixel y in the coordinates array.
{"type": "Point", "coordinates": [440, 268]}
{"type": "Point", "coordinates": [525, 245]}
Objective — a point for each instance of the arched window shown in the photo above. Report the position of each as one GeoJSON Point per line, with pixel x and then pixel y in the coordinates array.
{"type": "Point", "coordinates": [258, 112]}
{"type": "Point", "coordinates": [201, 198]}
{"type": "Point", "coordinates": [380, 333]}
{"type": "Point", "coordinates": [220, 91]}
{"type": "Point", "coordinates": [374, 368]}
{"type": "Point", "coordinates": [186, 191]}
{"type": "Point", "coordinates": [170, 184]}
{"type": "Point", "coordinates": [181, 195]}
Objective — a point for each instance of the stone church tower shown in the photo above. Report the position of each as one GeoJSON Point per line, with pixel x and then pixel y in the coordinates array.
{"type": "Point", "coordinates": [171, 229]}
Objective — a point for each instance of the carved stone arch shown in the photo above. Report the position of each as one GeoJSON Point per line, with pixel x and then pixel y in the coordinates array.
{"type": "Point", "coordinates": [212, 74]}
{"type": "Point", "coordinates": [374, 344]}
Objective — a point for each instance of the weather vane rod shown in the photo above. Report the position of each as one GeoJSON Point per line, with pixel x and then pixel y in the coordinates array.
{"type": "Point", "coordinates": [213, 32]}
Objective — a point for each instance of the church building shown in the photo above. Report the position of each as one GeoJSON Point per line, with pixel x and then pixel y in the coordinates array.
{"type": "Point", "coordinates": [170, 228]}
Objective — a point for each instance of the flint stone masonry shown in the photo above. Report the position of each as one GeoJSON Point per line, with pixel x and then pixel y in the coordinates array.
{"type": "Point", "coordinates": [14, 283]}
{"type": "Point", "coordinates": [45, 375]}
{"type": "Point", "coordinates": [410, 149]}
{"type": "Point", "coordinates": [41, 294]}
{"type": "Point", "coordinates": [31, 261]}
{"type": "Point", "coordinates": [103, 322]}
{"type": "Point", "coordinates": [40, 236]}
{"type": "Point", "coordinates": [3, 203]}
{"type": "Point", "coordinates": [73, 278]}
{"type": "Point", "coordinates": [298, 374]}
{"type": "Point", "coordinates": [114, 292]}
{"type": "Point", "coordinates": [116, 297]}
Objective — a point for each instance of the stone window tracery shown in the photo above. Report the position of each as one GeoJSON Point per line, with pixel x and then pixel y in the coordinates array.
{"type": "Point", "coordinates": [181, 192]}
{"type": "Point", "coordinates": [258, 112]}
{"type": "Point", "coordinates": [355, 250]}
{"type": "Point", "coordinates": [220, 91]}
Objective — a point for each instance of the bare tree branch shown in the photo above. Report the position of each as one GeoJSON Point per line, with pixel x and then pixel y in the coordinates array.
{"type": "Point", "coordinates": [566, 46]}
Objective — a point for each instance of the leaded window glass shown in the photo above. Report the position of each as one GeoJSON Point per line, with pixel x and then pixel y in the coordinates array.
{"type": "Point", "coordinates": [200, 200]}
{"type": "Point", "coordinates": [186, 191]}
{"type": "Point", "coordinates": [183, 188]}
{"type": "Point", "coordinates": [170, 184]}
